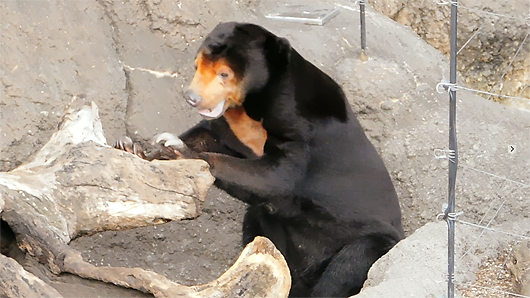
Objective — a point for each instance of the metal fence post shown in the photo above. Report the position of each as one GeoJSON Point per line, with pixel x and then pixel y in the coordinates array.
{"type": "Point", "coordinates": [453, 160]}
{"type": "Point", "coordinates": [363, 25]}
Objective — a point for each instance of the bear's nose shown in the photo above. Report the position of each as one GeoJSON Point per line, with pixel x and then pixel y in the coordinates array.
{"type": "Point", "coordinates": [192, 98]}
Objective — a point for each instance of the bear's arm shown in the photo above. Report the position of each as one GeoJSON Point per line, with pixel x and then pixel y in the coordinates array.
{"type": "Point", "coordinates": [274, 174]}
{"type": "Point", "coordinates": [215, 136]}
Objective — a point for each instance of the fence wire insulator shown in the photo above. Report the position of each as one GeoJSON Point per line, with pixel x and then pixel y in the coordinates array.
{"type": "Point", "coordinates": [451, 278]}
{"type": "Point", "coordinates": [451, 216]}
{"type": "Point", "coordinates": [447, 87]}
{"type": "Point", "coordinates": [445, 154]}
{"type": "Point", "coordinates": [448, 216]}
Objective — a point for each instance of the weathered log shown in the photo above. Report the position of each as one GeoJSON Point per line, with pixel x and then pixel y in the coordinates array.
{"type": "Point", "coordinates": [78, 184]}
{"type": "Point", "coordinates": [260, 271]}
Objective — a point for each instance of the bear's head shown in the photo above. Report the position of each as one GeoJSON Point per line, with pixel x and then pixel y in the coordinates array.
{"type": "Point", "coordinates": [234, 60]}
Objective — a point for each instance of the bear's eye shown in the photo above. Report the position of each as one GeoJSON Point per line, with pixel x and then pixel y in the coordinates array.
{"type": "Point", "coordinates": [224, 75]}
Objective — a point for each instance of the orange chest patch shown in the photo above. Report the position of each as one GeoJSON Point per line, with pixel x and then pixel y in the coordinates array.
{"type": "Point", "coordinates": [249, 131]}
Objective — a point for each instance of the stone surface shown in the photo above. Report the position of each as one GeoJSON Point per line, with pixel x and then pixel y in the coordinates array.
{"type": "Point", "coordinates": [415, 267]}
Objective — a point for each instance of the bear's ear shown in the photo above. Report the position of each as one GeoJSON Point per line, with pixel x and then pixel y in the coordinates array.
{"type": "Point", "coordinates": [278, 47]}
{"type": "Point", "coordinates": [284, 46]}
{"type": "Point", "coordinates": [215, 48]}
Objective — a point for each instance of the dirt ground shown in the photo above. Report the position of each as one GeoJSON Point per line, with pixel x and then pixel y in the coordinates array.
{"type": "Point", "coordinates": [52, 50]}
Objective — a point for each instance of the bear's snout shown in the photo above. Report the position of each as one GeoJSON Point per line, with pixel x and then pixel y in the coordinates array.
{"type": "Point", "coordinates": [192, 98]}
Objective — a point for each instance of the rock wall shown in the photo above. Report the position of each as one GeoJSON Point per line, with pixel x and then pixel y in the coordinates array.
{"type": "Point", "coordinates": [492, 36]}
{"type": "Point", "coordinates": [51, 51]}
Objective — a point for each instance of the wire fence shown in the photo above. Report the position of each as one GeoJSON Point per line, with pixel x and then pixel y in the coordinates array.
{"type": "Point", "coordinates": [450, 215]}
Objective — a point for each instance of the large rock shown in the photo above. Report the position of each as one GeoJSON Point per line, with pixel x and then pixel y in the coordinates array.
{"type": "Point", "coordinates": [415, 267]}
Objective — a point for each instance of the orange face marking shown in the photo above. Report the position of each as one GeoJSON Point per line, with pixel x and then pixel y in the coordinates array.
{"type": "Point", "coordinates": [249, 131]}
{"type": "Point", "coordinates": [216, 82]}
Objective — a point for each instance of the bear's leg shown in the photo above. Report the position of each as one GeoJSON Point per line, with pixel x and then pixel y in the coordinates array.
{"type": "Point", "coordinates": [251, 225]}
{"type": "Point", "coordinates": [345, 274]}
{"type": "Point", "coordinates": [258, 223]}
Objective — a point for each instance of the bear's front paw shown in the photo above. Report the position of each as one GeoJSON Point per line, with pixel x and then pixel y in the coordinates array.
{"type": "Point", "coordinates": [169, 140]}
{"type": "Point", "coordinates": [170, 147]}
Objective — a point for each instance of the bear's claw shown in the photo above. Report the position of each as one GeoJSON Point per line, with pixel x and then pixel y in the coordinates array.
{"type": "Point", "coordinates": [170, 140]}
{"type": "Point", "coordinates": [126, 144]}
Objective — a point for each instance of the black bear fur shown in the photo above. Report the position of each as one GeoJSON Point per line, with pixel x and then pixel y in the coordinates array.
{"type": "Point", "coordinates": [320, 191]}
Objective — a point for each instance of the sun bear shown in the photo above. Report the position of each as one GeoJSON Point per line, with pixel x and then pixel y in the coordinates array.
{"type": "Point", "coordinates": [279, 135]}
